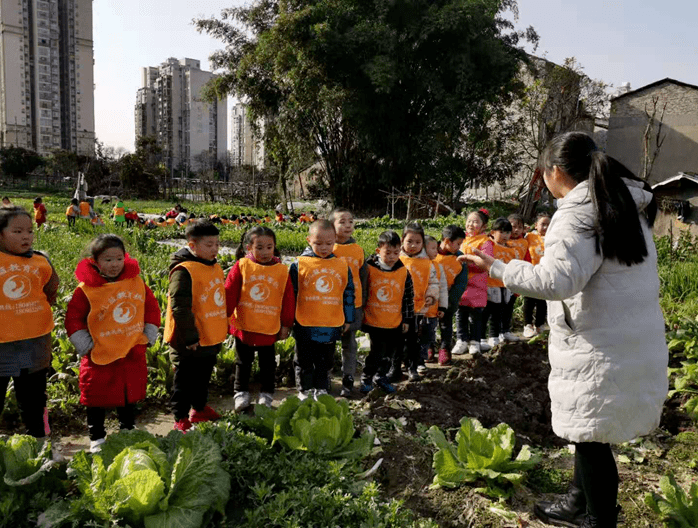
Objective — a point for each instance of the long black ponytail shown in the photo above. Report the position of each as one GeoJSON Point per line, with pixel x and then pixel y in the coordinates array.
{"type": "Point", "coordinates": [617, 226]}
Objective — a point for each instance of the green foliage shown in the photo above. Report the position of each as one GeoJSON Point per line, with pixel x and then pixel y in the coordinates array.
{"type": "Point", "coordinates": [683, 344]}
{"type": "Point", "coordinates": [18, 161]}
{"type": "Point", "coordinates": [480, 454]}
{"type": "Point", "coordinates": [676, 508]}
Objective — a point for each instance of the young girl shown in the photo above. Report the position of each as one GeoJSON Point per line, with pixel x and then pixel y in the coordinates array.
{"type": "Point", "coordinates": [536, 248]}
{"type": "Point", "coordinates": [497, 294]}
{"type": "Point", "coordinates": [469, 329]}
{"type": "Point", "coordinates": [72, 212]}
{"type": "Point", "coordinates": [435, 311]}
{"type": "Point", "coordinates": [111, 318]}
{"type": "Point", "coordinates": [29, 285]}
{"type": "Point", "coordinates": [519, 244]}
{"type": "Point", "coordinates": [426, 293]}
{"type": "Point", "coordinates": [260, 299]}
{"type": "Point", "coordinates": [39, 211]}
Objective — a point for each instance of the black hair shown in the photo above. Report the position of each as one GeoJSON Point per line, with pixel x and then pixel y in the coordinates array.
{"type": "Point", "coordinates": [336, 212]}
{"type": "Point", "coordinates": [9, 212]}
{"type": "Point", "coordinates": [516, 217]}
{"type": "Point", "coordinates": [5, 198]}
{"type": "Point", "coordinates": [38, 200]}
{"type": "Point", "coordinates": [413, 227]}
{"type": "Point", "coordinates": [321, 225]}
{"type": "Point", "coordinates": [543, 214]}
{"type": "Point", "coordinates": [616, 228]}
{"type": "Point", "coordinates": [452, 232]}
{"type": "Point", "coordinates": [429, 238]}
{"type": "Point", "coordinates": [200, 228]}
{"type": "Point", "coordinates": [103, 242]}
{"type": "Point", "coordinates": [389, 238]}
{"type": "Point", "coordinates": [74, 201]}
{"type": "Point", "coordinates": [482, 213]}
{"type": "Point", "coordinates": [248, 237]}
{"type": "Point", "coordinates": [501, 224]}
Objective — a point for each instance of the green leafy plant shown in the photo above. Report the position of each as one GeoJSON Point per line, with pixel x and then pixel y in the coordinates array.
{"type": "Point", "coordinates": [480, 454]}
{"type": "Point", "coordinates": [676, 508]}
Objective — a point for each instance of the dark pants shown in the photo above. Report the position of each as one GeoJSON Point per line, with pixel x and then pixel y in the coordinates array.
{"type": "Point", "coordinates": [190, 388]}
{"type": "Point", "coordinates": [312, 361]}
{"type": "Point", "coordinates": [595, 472]}
{"type": "Point", "coordinates": [427, 335]}
{"type": "Point", "coordinates": [469, 323]}
{"type": "Point", "coordinates": [446, 329]}
{"type": "Point", "coordinates": [71, 220]}
{"type": "Point", "coordinates": [493, 315]}
{"type": "Point", "coordinates": [541, 308]}
{"type": "Point", "coordinates": [96, 415]}
{"type": "Point", "coordinates": [384, 346]}
{"type": "Point", "coordinates": [508, 313]}
{"type": "Point", "coordinates": [408, 348]}
{"type": "Point", "coordinates": [30, 391]}
{"type": "Point", "coordinates": [244, 357]}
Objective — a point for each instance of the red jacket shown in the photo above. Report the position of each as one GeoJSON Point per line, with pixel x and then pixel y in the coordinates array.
{"type": "Point", "coordinates": [124, 380]}
{"type": "Point", "coordinates": [233, 285]}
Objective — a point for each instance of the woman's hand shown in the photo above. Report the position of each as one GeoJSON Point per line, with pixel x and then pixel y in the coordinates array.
{"type": "Point", "coordinates": [480, 259]}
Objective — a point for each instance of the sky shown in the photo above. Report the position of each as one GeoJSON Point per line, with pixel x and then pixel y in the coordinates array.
{"type": "Point", "coordinates": [616, 41]}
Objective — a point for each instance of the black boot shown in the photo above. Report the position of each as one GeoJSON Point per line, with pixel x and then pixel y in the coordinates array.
{"type": "Point", "coordinates": [568, 510]}
{"type": "Point", "coordinates": [609, 520]}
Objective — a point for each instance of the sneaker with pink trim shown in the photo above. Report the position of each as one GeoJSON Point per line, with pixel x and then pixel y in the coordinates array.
{"type": "Point", "coordinates": [207, 414]}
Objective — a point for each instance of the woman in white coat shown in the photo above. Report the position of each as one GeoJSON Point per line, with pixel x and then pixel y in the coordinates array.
{"type": "Point", "coordinates": [607, 349]}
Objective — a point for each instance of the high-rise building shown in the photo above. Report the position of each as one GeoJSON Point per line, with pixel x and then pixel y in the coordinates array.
{"type": "Point", "coordinates": [169, 106]}
{"type": "Point", "coordinates": [246, 146]}
{"type": "Point", "coordinates": [46, 75]}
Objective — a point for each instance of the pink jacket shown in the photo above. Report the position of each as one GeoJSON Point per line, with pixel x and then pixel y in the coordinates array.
{"type": "Point", "coordinates": [475, 294]}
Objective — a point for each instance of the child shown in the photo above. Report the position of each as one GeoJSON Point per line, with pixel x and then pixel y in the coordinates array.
{"type": "Point", "coordinates": [86, 211]}
{"type": "Point", "coordinates": [434, 313]}
{"type": "Point", "coordinates": [536, 251]}
{"type": "Point", "coordinates": [456, 274]}
{"type": "Point", "coordinates": [110, 320]}
{"type": "Point", "coordinates": [119, 213]}
{"type": "Point", "coordinates": [6, 201]}
{"type": "Point", "coordinates": [497, 294]}
{"type": "Point", "coordinates": [474, 299]}
{"type": "Point", "coordinates": [132, 218]}
{"type": "Point", "coordinates": [347, 249]}
{"type": "Point", "coordinates": [259, 297]}
{"type": "Point", "coordinates": [196, 323]}
{"type": "Point", "coordinates": [426, 293]}
{"type": "Point", "coordinates": [389, 302]}
{"type": "Point", "coordinates": [72, 212]}
{"type": "Point", "coordinates": [96, 221]}
{"type": "Point", "coordinates": [520, 246]}
{"type": "Point", "coordinates": [39, 211]}
{"type": "Point", "coordinates": [29, 284]}
{"type": "Point", "coordinates": [324, 290]}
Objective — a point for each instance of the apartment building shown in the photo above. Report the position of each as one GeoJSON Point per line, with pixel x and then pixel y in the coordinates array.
{"type": "Point", "coordinates": [46, 75]}
{"type": "Point", "coordinates": [246, 145]}
{"type": "Point", "coordinates": [170, 107]}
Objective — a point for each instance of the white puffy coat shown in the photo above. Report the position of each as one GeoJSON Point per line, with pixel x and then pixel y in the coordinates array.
{"type": "Point", "coordinates": [608, 353]}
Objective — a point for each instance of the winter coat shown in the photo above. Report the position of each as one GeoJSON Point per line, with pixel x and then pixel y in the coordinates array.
{"type": "Point", "coordinates": [608, 353]}
{"type": "Point", "coordinates": [124, 380]}
{"type": "Point", "coordinates": [475, 294]}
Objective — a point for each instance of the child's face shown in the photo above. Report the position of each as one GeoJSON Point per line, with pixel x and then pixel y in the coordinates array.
{"type": "Point", "coordinates": [6, 201]}
{"type": "Point", "coordinates": [344, 225]}
{"type": "Point", "coordinates": [262, 248]}
{"type": "Point", "coordinates": [542, 225]}
{"type": "Point", "coordinates": [451, 246]}
{"type": "Point", "coordinates": [432, 249]}
{"type": "Point", "coordinates": [500, 237]}
{"type": "Point", "coordinates": [412, 243]}
{"type": "Point", "coordinates": [111, 262]}
{"type": "Point", "coordinates": [205, 247]}
{"type": "Point", "coordinates": [473, 224]}
{"type": "Point", "coordinates": [322, 242]}
{"type": "Point", "coordinates": [517, 229]}
{"type": "Point", "coordinates": [389, 254]}
{"type": "Point", "coordinates": [18, 235]}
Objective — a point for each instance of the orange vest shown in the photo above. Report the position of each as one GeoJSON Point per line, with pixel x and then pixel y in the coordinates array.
{"type": "Point", "coordinates": [451, 266]}
{"type": "Point", "coordinates": [261, 297]}
{"type": "Point", "coordinates": [505, 254]}
{"type": "Point", "coordinates": [474, 242]}
{"type": "Point", "coordinates": [385, 292]}
{"type": "Point", "coordinates": [24, 309]}
{"type": "Point", "coordinates": [207, 304]}
{"type": "Point", "coordinates": [70, 211]}
{"type": "Point", "coordinates": [520, 245]}
{"type": "Point", "coordinates": [353, 255]}
{"type": "Point", "coordinates": [170, 221]}
{"type": "Point", "coordinates": [321, 284]}
{"type": "Point", "coordinates": [84, 209]}
{"type": "Point", "coordinates": [119, 211]}
{"type": "Point", "coordinates": [419, 269]}
{"type": "Point", "coordinates": [433, 310]}
{"type": "Point", "coordinates": [116, 319]}
{"type": "Point", "coordinates": [39, 215]}
{"type": "Point", "coordinates": [536, 247]}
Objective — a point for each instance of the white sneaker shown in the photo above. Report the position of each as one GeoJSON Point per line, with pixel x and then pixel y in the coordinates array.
{"type": "Point", "coordinates": [484, 345]}
{"type": "Point", "coordinates": [422, 368]}
{"type": "Point", "coordinates": [508, 337]}
{"type": "Point", "coordinates": [318, 393]}
{"type": "Point", "coordinates": [474, 347]}
{"type": "Point", "coordinates": [265, 398]}
{"type": "Point", "coordinates": [459, 348]}
{"type": "Point", "coordinates": [96, 445]}
{"type": "Point", "coordinates": [493, 341]}
{"type": "Point", "coordinates": [303, 395]}
{"type": "Point", "coordinates": [242, 401]}
{"type": "Point", "coordinates": [530, 331]}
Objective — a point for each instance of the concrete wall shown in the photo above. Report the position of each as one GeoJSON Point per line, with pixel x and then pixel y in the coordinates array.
{"type": "Point", "coordinates": [679, 152]}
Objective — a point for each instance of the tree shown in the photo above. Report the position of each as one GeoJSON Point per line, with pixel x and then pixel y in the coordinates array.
{"type": "Point", "coordinates": [382, 89]}
{"type": "Point", "coordinates": [652, 140]}
{"type": "Point", "coordinates": [142, 171]}
{"type": "Point", "coordinates": [18, 161]}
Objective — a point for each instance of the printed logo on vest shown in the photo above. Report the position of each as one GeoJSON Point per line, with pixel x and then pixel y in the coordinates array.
{"type": "Point", "coordinates": [16, 287]}
{"type": "Point", "coordinates": [218, 297]}
{"type": "Point", "coordinates": [123, 312]}
{"type": "Point", "coordinates": [260, 292]}
{"type": "Point", "coordinates": [384, 294]}
{"type": "Point", "coordinates": [324, 284]}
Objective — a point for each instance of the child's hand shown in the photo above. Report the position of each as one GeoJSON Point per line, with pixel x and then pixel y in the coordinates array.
{"type": "Point", "coordinates": [462, 259]}
{"type": "Point", "coordinates": [440, 314]}
{"type": "Point", "coordinates": [481, 260]}
{"type": "Point", "coordinates": [284, 333]}
{"type": "Point", "coordinates": [405, 328]}
{"type": "Point", "coordinates": [193, 347]}
{"type": "Point", "coordinates": [346, 328]}
{"type": "Point", "coordinates": [429, 301]}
